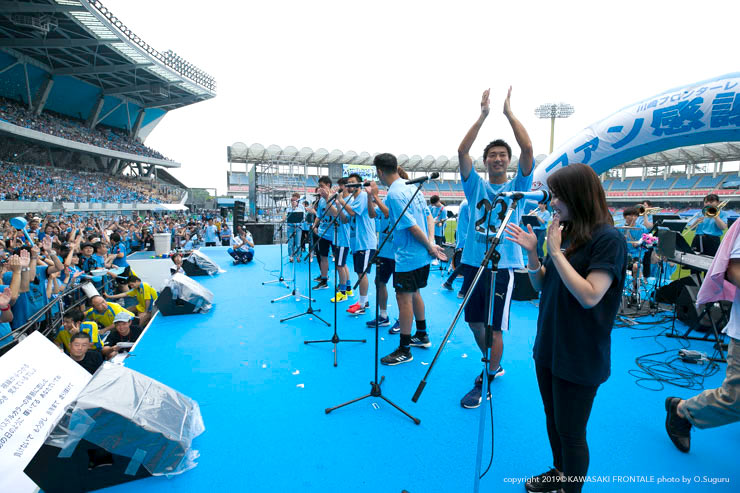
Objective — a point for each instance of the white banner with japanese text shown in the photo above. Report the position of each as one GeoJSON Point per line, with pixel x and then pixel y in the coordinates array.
{"type": "Point", "coordinates": [37, 381]}
{"type": "Point", "coordinates": [700, 113]}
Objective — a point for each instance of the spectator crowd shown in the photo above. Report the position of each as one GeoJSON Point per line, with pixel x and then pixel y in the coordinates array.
{"type": "Point", "coordinates": [45, 184]}
{"type": "Point", "coordinates": [58, 125]}
{"type": "Point", "coordinates": [37, 277]}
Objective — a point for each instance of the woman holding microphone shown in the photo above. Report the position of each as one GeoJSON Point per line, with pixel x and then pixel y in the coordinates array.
{"type": "Point", "coordinates": [581, 281]}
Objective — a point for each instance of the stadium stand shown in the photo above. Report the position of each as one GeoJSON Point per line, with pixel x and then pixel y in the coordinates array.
{"type": "Point", "coordinates": [662, 184]}
{"type": "Point", "coordinates": [39, 184]}
{"type": "Point", "coordinates": [641, 184]}
{"type": "Point", "coordinates": [58, 125]}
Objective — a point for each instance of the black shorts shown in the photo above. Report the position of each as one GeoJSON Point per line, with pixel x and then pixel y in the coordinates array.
{"type": "Point", "coordinates": [362, 259]}
{"type": "Point", "coordinates": [340, 255]}
{"type": "Point", "coordinates": [439, 240]}
{"type": "Point", "coordinates": [323, 247]}
{"type": "Point", "coordinates": [386, 266]}
{"type": "Point", "coordinates": [456, 257]}
{"type": "Point", "coordinates": [412, 281]}
{"type": "Point", "coordinates": [476, 311]}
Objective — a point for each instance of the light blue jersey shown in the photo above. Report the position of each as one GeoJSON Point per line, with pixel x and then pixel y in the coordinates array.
{"type": "Point", "coordinates": [709, 227]}
{"type": "Point", "coordinates": [365, 235]}
{"type": "Point", "coordinates": [439, 214]}
{"type": "Point", "coordinates": [634, 235]}
{"type": "Point", "coordinates": [382, 225]}
{"type": "Point", "coordinates": [463, 218]}
{"type": "Point", "coordinates": [410, 254]}
{"type": "Point", "coordinates": [325, 229]}
{"type": "Point", "coordinates": [545, 216]}
{"type": "Point", "coordinates": [483, 226]}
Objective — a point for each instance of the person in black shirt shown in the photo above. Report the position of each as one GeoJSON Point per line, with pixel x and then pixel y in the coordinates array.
{"type": "Point", "coordinates": [581, 285]}
{"type": "Point", "coordinates": [124, 333]}
{"type": "Point", "coordinates": [78, 351]}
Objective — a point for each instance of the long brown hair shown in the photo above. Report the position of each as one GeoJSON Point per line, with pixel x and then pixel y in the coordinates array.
{"type": "Point", "coordinates": [579, 187]}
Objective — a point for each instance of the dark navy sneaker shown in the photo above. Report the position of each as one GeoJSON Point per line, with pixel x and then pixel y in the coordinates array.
{"type": "Point", "coordinates": [322, 285]}
{"type": "Point", "coordinates": [448, 287]}
{"type": "Point", "coordinates": [420, 341]}
{"type": "Point", "coordinates": [473, 398]}
{"type": "Point", "coordinates": [382, 322]}
{"type": "Point", "coordinates": [678, 428]}
{"type": "Point", "coordinates": [546, 482]}
{"type": "Point", "coordinates": [400, 355]}
{"type": "Point", "coordinates": [396, 329]}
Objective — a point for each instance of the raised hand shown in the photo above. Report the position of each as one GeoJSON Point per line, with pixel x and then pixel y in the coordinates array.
{"type": "Point", "coordinates": [526, 239]}
{"type": "Point", "coordinates": [507, 103]}
{"type": "Point", "coordinates": [485, 103]}
{"type": "Point", "coordinates": [25, 258]}
{"type": "Point", "coordinates": [554, 236]}
{"type": "Point", "coordinates": [5, 298]}
{"type": "Point", "coordinates": [14, 262]}
{"type": "Point", "coordinates": [46, 243]}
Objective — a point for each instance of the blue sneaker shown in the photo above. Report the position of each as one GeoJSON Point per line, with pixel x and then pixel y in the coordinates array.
{"type": "Point", "coordinates": [396, 329]}
{"type": "Point", "coordinates": [382, 322]}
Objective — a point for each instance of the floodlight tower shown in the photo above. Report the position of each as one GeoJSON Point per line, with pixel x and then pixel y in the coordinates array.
{"type": "Point", "coordinates": [552, 111]}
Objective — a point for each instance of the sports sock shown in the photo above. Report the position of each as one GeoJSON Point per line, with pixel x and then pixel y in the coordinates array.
{"type": "Point", "coordinates": [405, 341]}
{"type": "Point", "coordinates": [384, 313]}
{"type": "Point", "coordinates": [421, 327]}
{"type": "Point", "coordinates": [363, 300]}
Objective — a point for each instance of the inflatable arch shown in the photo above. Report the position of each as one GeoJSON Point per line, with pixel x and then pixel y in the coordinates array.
{"type": "Point", "coordinates": [700, 113]}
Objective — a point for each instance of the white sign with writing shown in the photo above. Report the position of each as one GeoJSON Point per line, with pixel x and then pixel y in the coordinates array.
{"type": "Point", "coordinates": [37, 381]}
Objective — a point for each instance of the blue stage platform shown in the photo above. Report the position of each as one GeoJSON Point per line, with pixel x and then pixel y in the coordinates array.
{"type": "Point", "coordinates": [263, 392]}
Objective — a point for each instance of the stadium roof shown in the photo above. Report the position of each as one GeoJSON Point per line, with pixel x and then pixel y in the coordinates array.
{"type": "Point", "coordinates": [84, 40]}
{"type": "Point", "coordinates": [257, 153]}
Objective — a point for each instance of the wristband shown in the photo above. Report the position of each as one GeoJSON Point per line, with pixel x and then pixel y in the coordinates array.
{"type": "Point", "coordinates": [534, 271]}
{"type": "Point", "coordinates": [5, 309]}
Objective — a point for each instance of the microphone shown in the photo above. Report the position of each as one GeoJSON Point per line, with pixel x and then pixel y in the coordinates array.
{"type": "Point", "coordinates": [332, 197]}
{"type": "Point", "coordinates": [357, 185]}
{"type": "Point", "coordinates": [539, 195]}
{"type": "Point", "coordinates": [422, 179]}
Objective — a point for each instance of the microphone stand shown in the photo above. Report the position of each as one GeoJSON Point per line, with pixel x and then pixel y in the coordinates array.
{"type": "Point", "coordinates": [280, 279]}
{"type": "Point", "coordinates": [492, 256]}
{"type": "Point", "coordinates": [310, 310]}
{"type": "Point", "coordinates": [335, 338]}
{"type": "Point", "coordinates": [375, 390]}
{"type": "Point", "coordinates": [295, 290]}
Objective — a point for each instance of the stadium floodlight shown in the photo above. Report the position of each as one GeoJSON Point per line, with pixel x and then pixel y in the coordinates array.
{"type": "Point", "coordinates": [552, 111]}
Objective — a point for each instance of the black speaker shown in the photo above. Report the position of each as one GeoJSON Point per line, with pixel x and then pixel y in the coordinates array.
{"type": "Point", "coordinates": [168, 305]}
{"type": "Point", "coordinates": [88, 468]}
{"type": "Point", "coordinates": [224, 212]}
{"type": "Point", "coordinates": [523, 290]}
{"type": "Point", "coordinates": [240, 209]}
{"type": "Point", "coordinates": [687, 312]}
{"type": "Point", "coordinates": [262, 233]}
{"type": "Point", "coordinates": [122, 426]}
{"type": "Point", "coordinates": [193, 270]}
{"type": "Point", "coordinates": [670, 292]}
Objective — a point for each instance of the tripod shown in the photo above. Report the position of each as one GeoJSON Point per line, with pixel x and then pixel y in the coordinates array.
{"type": "Point", "coordinates": [492, 256]}
{"type": "Point", "coordinates": [375, 390]}
{"type": "Point", "coordinates": [299, 217]}
{"type": "Point", "coordinates": [335, 338]}
{"type": "Point", "coordinates": [280, 279]}
{"type": "Point", "coordinates": [309, 310]}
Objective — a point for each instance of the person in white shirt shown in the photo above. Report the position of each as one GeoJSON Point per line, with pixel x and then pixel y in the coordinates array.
{"type": "Point", "coordinates": [713, 407]}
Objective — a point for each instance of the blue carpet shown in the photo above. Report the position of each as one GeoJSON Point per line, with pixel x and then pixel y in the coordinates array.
{"type": "Point", "coordinates": [263, 392]}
